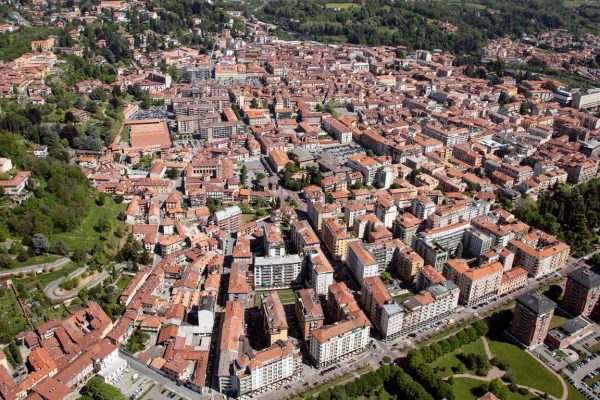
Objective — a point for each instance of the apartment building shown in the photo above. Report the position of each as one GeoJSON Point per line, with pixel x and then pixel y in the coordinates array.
{"type": "Point", "coordinates": [333, 343]}
{"type": "Point", "coordinates": [539, 254]}
{"type": "Point", "coordinates": [386, 210]}
{"type": "Point", "coordinates": [257, 372]}
{"type": "Point", "coordinates": [353, 210]}
{"type": "Point", "coordinates": [438, 244]}
{"type": "Point", "coordinates": [476, 284]}
{"type": "Point", "coordinates": [431, 305]}
{"type": "Point", "coordinates": [277, 272]}
{"type": "Point", "coordinates": [229, 344]}
{"type": "Point", "coordinates": [408, 263]}
{"type": "Point", "coordinates": [229, 219]}
{"type": "Point", "coordinates": [308, 312]}
{"type": "Point", "coordinates": [406, 227]}
{"type": "Point", "coordinates": [274, 321]}
{"type": "Point", "coordinates": [533, 314]}
{"type": "Point", "coordinates": [304, 237]}
{"type": "Point", "coordinates": [338, 130]}
{"type": "Point", "coordinates": [382, 309]}
{"type": "Point", "coordinates": [320, 271]}
{"type": "Point", "coordinates": [273, 241]}
{"type": "Point", "coordinates": [360, 262]}
{"type": "Point", "coordinates": [385, 253]}
{"type": "Point", "coordinates": [367, 166]}
{"type": "Point", "coordinates": [582, 292]}
{"type": "Point", "coordinates": [335, 238]}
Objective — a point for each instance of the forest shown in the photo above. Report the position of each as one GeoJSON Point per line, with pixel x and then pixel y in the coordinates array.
{"type": "Point", "coordinates": [420, 24]}
{"type": "Point", "coordinates": [570, 213]}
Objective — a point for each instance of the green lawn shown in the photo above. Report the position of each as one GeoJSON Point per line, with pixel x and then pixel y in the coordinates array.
{"type": "Point", "coordinates": [448, 361]}
{"type": "Point", "coordinates": [467, 389]}
{"type": "Point", "coordinates": [287, 296]}
{"type": "Point", "coordinates": [45, 279]}
{"type": "Point", "coordinates": [247, 218]}
{"type": "Point", "coordinates": [12, 319]}
{"type": "Point", "coordinates": [123, 282]}
{"type": "Point", "coordinates": [524, 369]}
{"type": "Point", "coordinates": [85, 236]}
{"type": "Point", "coordinates": [37, 260]}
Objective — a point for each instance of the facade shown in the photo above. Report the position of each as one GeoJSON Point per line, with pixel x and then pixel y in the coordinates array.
{"type": "Point", "coordinates": [539, 253]}
{"type": "Point", "coordinates": [308, 312]}
{"type": "Point", "coordinates": [274, 321]}
{"type": "Point", "coordinates": [387, 316]}
{"type": "Point", "coordinates": [320, 271]}
{"type": "Point", "coordinates": [431, 305]}
{"type": "Point", "coordinates": [335, 238]}
{"type": "Point", "coordinates": [277, 272]}
{"type": "Point", "coordinates": [332, 343]}
{"type": "Point", "coordinates": [533, 314]}
{"type": "Point", "coordinates": [360, 262]}
{"type": "Point", "coordinates": [229, 219]}
{"type": "Point", "coordinates": [261, 371]}
{"type": "Point", "coordinates": [476, 284]}
{"type": "Point", "coordinates": [582, 292]}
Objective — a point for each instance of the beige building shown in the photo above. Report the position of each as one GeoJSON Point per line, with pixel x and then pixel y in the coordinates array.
{"type": "Point", "coordinates": [275, 324]}
{"type": "Point", "coordinates": [476, 284]}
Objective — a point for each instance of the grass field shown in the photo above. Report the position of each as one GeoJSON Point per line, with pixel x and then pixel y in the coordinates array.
{"type": "Point", "coordinates": [448, 361]}
{"type": "Point", "coordinates": [123, 282]}
{"type": "Point", "coordinates": [45, 279]}
{"type": "Point", "coordinates": [334, 382]}
{"type": "Point", "coordinates": [469, 389]}
{"type": "Point", "coordinates": [341, 6]}
{"type": "Point", "coordinates": [287, 296]}
{"type": "Point", "coordinates": [13, 320]}
{"type": "Point", "coordinates": [85, 236]}
{"type": "Point", "coordinates": [524, 369]}
{"type": "Point", "coordinates": [37, 260]}
{"type": "Point", "coordinates": [557, 320]}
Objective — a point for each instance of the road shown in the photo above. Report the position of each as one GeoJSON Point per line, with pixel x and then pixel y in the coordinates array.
{"type": "Point", "coordinates": [162, 380]}
{"type": "Point", "coordinates": [50, 290]}
{"type": "Point", "coordinates": [37, 268]}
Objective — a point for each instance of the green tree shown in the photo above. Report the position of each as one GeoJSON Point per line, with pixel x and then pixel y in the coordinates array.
{"type": "Point", "coordinates": [244, 174]}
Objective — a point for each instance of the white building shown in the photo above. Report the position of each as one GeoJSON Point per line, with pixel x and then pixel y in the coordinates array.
{"type": "Point", "coordinates": [360, 261]}
{"type": "Point", "coordinates": [332, 343]}
{"type": "Point", "coordinates": [277, 272]}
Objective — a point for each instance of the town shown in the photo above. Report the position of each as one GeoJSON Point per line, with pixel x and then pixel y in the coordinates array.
{"type": "Point", "coordinates": [287, 214]}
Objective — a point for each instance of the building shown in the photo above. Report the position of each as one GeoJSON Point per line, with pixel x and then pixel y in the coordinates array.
{"type": "Point", "coordinates": [582, 292]}
{"type": "Point", "coordinates": [533, 314]}
{"type": "Point", "coordinates": [277, 272]}
{"type": "Point", "coordinates": [229, 219]}
{"type": "Point", "coordinates": [304, 237]}
{"type": "Point", "coordinates": [382, 309]}
{"type": "Point", "coordinates": [229, 343]}
{"type": "Point", "coordinates": [569, 332]}
{"type": "Point", "coordinates": [308, 312]}
{"type": "Point", "coordinates": [335, 238]}
{"type": "Point", "coordinates": [431, 305]}
{"type": "Point", "coordinates": [275, 324]}
{"type": "Point", "coordinates": [257, 372]}
{"type": "Point", "coordinates": [360, 262]}
{"type": "Point", "coordinates": [273, 241]}
{"type": "Point", "coordinates": [438, 244]}
{"type": "Point", "coordinates": [320, 271]}
{"type": "Point", "coordinates": [408, 263]}
{"type": "Point", "coordinates": [476, 284]}
{"type": "Point", "coordinates": [586, 100]}
{"type": "Point", "coordinates": [333, 343]}
{"type": "Point", "coordinates": [539, 253]}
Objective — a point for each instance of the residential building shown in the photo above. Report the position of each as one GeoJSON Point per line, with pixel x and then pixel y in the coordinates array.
{"type": "Point", "coordinates": [582, 292]}
{"type": "Point", "coordinates": [533, 315]}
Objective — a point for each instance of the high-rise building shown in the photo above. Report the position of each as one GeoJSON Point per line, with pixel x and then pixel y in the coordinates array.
{"type": "Point", "coordinates": [582, 292]}
{"type": "Point", "coordinates": [277, 272]}
{"type": "Point", "coordinates": [533, 314]}
{"type": "Point", "coordinates": [308, 311]}
{"type": "Point", "coordinates": [320, 271]}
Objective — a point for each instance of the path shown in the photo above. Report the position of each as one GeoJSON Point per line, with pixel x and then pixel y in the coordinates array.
{"type": "Point", "coordinates": [37, 268]}
{"type": "Point", "coordinates": [486, 347]}
{"type": "Point", "coordinates": [485, 379]}
{"type": "Point", "coordinates": [51, 290]}
{"type": "Point", "coordinates": [560, 378]}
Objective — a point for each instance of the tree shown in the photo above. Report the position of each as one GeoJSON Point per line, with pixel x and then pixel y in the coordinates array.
{"type": "Point", "coordinates": [97, 389]}
{"type": "Point", "coordinates": [172, 173]}
{"type": "Point", "coordinates": [39, 244]}
{"type": "Point", "coordinates": [6, 261]}
{"type": "Point", "coordinates": [254, 103]}
{"type": "Point", "coordinates": [244, 174]}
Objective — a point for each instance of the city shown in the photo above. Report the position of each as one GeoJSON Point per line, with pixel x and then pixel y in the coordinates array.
{"type": "Point", "coordinates": [197, 203]}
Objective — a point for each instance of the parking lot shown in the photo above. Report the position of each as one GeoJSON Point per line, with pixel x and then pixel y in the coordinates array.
{"type": "Point", "coordinates": [134, 385]}
{"type": "Point", "coordinates": [582, 373]}
{"type": "Point", "coordinates": [160, 392]}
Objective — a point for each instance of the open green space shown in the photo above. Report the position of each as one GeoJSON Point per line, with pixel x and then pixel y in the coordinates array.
{"type": "Point", "coordinates": [36, 260]}
{"type": "Point", "coordinates": [524, 369]}
{"type": "Point", "coordinates": [557, 320]}
{"type": "Point", "coordinates": [447, 362]}
{"type": "Point", "coordinates": [86, 236]}
{"type": "Point", "coordinates": [287, 296]}
{"type": "Point", "coordinates": [334, 382]}
{"type": "Point", "coordinates": [123, 282]}
{"type": "Point", "coordinates": [12, 320]}
{"type": "Point", "coordinates": [51, 276]}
